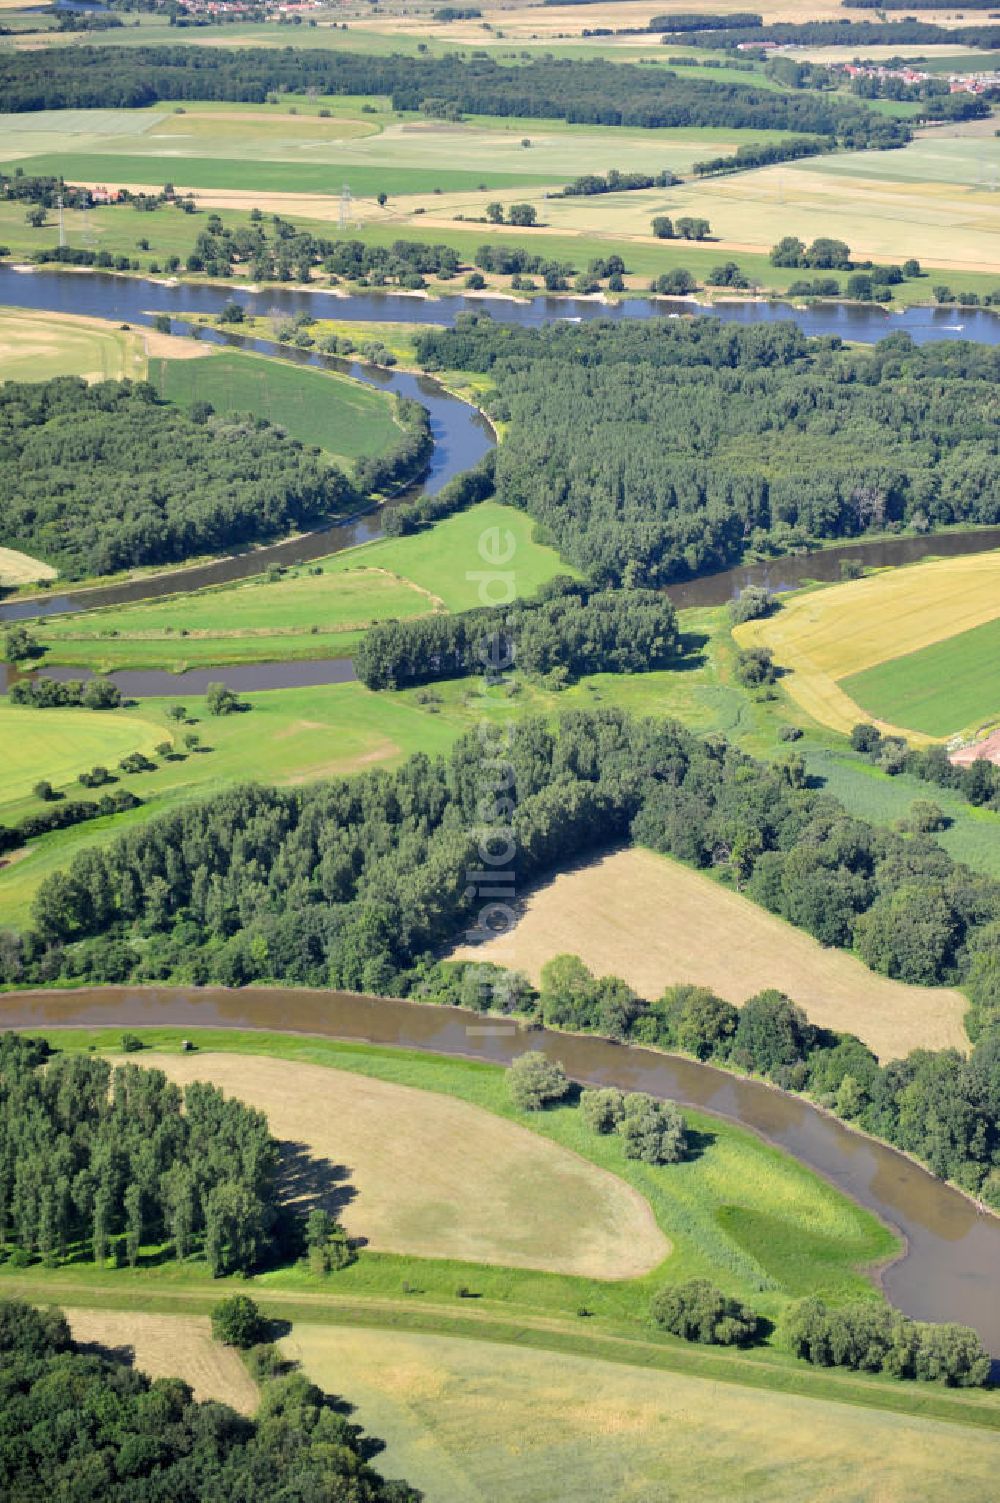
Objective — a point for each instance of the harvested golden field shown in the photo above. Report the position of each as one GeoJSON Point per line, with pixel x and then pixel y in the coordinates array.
{"type": "Point", "coordinates": [822, 637]}
{"type": "Point", "coordinates": [171, 1346]}
{"type": "Point", "coordinates": [19, 569]}
{"type": "Point", "coordinates": [655, 922]}
{"type": "Point", "coordinates": [416, 1172]}
{"type": "Point", "coordinates": [35, 346]}
{"type": "Point", "coordinates": [468, 1421]}
{"type": "Point", "coordinates": [928, 201]}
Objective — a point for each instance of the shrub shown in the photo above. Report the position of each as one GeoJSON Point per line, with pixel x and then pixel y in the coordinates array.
{"type": "Point", "coordinates": [700, 1312]}
{"type": "Point", "coordinates": [237, 1321]}
{"type": "Point", "coordinates": [926, 817]}
{"type": "Point", "coordinates": [533, 1081]}
{"type": "Point", "coordinates": [751, 604]}
{"type": "Point", "coordinates": [602, 1109]}
{"type": "Point", "coordinates": [653, 1130]}
{"type": "Point", "coordinates": [755, 668]}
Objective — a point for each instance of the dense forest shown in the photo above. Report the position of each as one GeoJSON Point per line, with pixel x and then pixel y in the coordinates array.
{"type": "Point", "coordinates": [569, 631]}
{"type": "Point", "coordinates": [111, 1160]}
{"type": "Point", "coordinates": [79, 1425]}
{"type": "Point", "coordinates": [591, 91]}
{"type": "Point", "coordinates": [104, 477]}
{"type": "Point", "coordinates": [354, 883]}
{"type": "Point", "coordinates": [654, 450]}
{"type": "Point", "coordinates": [360, 883]}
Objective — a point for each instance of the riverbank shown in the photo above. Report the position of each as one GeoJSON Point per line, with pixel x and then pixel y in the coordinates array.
{"type": "Point", "coordinates": [952, 1262]}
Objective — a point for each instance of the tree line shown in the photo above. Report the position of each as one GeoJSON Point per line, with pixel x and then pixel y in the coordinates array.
{"type": "Point", "coordinates": [111, 1160]}
{"type": "Point", "coordinates": [941, 1107]}
{"type": "Point", "coordinates": [653, 451]}
{"type": "Point", "coordinates": [360, 883]}
{"type": "Point", "coordinates": [847, 33]}
{"type": "Point", "coordinates": [63, 814]}
{"type": "Point", "coordinates": [569, 630]}
{"type": "Point", "coordinates": [764, 154]}
{"type": "Point", "coordinates": [589, 91]}
{"type": "Point", "coordinates": [274, 249]}
{"type": "Point", "coordinates": [592, 183]}
{"type": "Point", "coordinates": [78, 1424]}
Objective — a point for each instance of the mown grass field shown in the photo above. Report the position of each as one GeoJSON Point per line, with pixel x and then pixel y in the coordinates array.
{"type": "Point", "coordinates": [447, 559]}
{"type": "Point", "coordinates": [307, 614]}
{"type": "Point", "coordinates": [20, 569]}
{"type": "Point", "coordinates": [938, 690]}
{"type": "Point", "coordinates": [821, 638]}
{"type": "Point", "coordinates": [485, 1191]}
{"type": "Point", "coordinates": [59, 744]}
{"type": "Point", "coordinates": [711, 1208]}
{"type": "Point", "coordinates": [343, 417]}
{"type": "Point", "coordinates": [466, 1421]}
{"type": "Point", "coordinates": [656, 922]}
{"type": "Point", "coordinates": [170, 1346]}
{"type": "Point", "coordinates": [35, 346]}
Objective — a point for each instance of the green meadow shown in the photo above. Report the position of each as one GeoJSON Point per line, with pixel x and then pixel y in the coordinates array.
{"type": "Point", "coordinates": [313, 611]}
{"type": "Point", "coordinates": [252, 176]}
{"type": "Point", "coordinates": [951, 686]}
{"type": "Point", "coordinates": [343, 417]}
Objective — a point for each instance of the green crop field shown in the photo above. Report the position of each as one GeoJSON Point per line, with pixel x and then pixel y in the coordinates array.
{"type": "Point", "coordinates": [264, 176]}
{"type": "Point", "coordinates": [238, 148]}
{"type": "Point", "coordinates": [343, 417]}
{"type": "Point", "coordinates": [948, 687]}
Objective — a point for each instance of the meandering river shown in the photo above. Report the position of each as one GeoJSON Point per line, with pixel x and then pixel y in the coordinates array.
{"type": "Point", "coordinates": [951, 1268]}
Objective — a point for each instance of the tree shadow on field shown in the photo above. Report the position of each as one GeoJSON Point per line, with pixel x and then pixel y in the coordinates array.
{"type": "Point", "coordinates": [690, 651]}
{"type": "Point", "coordinates": [311, 1183]}
{"type": "Point", "coordinates": [696, 1143]}
{"type": "Point", "coordinates": [124, 1354]}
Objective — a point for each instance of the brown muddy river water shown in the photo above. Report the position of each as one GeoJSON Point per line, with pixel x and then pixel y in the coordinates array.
{"type": "Point", "coordinates": [951, 1270]}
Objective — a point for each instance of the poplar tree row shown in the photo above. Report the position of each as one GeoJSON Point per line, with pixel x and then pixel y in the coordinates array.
{"type": "Point", "coordinates": [109, 1160]}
